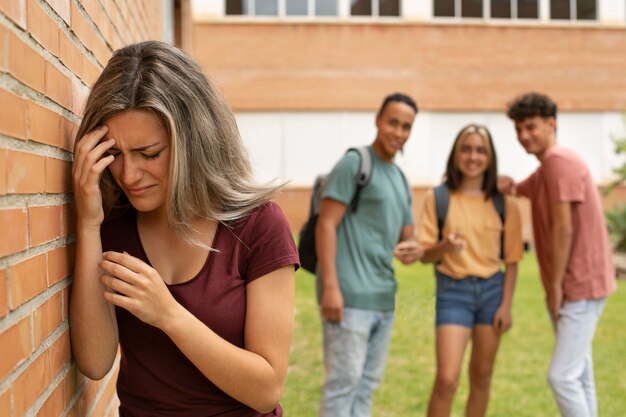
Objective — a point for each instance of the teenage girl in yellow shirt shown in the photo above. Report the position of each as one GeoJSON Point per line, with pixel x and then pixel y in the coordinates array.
{"type": "Point", "coordinates": [473, 294]}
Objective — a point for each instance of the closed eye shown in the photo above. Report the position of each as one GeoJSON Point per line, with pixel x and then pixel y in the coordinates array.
{"type": "Point", "coordinates": [151, 156]}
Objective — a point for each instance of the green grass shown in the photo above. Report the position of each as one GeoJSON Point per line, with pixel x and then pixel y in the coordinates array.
{"type": "Point", "coordinates": [519, 386]}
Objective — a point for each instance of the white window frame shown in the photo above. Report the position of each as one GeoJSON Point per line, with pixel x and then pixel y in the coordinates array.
{"type": "Point", "coordinates": [343, 11]}
{"type": "Point", "coordinates": [487, 12]}
{"type": "Point", "coordinates": [573, 10]}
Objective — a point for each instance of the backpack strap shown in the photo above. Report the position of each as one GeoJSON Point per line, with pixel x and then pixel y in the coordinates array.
{"type": "Point", "coordinates": [365, 174]}
{"type": "Point", "coordinates": [499, 204]}
{"type": "Point", "coordinates": [442, 200]}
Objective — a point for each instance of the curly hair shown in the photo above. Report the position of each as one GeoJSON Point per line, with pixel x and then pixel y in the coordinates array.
{"type": "Point", "coordinates": [531, 105]}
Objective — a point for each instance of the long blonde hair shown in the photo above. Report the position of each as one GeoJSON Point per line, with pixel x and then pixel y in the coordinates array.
{"type": "Point", "coordinates": [210, 173]}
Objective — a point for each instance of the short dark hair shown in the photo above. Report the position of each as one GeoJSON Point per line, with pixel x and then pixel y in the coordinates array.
{"type": "Point", "coordinates": [402, 98]}
{"type": "Point", "coordinates": [453, 176]}
{"type": "Point", "coordinates": [531, 105]}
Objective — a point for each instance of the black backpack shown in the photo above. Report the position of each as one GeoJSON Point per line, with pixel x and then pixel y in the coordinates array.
{"type": "Point", "coordinates": [306, 244]}
{"type": "Point", "coordinates": [442, 199]}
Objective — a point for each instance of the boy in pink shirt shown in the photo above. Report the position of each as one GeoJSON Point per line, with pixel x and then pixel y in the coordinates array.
{"type": "Point", "coordinates": [573, 250]}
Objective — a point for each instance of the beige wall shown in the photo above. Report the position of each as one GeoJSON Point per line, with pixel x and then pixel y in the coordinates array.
{"type": "Point", "coordinates": [349, 66]}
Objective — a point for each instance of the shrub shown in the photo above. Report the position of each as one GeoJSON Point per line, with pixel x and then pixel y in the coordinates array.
{"type": "Point", "coordinates": [616, 222]}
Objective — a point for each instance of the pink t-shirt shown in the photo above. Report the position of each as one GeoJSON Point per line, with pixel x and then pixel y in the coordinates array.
{"type": "Point", "coordinates": [564, 177]}
{"type": "Point", "coordinates": [155, 378]}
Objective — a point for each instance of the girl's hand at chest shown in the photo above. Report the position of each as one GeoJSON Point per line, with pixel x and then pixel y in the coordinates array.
{"type": "Point", "coordinates": [138, 288]}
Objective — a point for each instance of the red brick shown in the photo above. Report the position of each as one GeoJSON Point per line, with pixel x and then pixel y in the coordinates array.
{"type": "Point", "coordinates": [65, 304]}
{"type": "Point", "coordinates": [91, 72]}
{"type": "Point", "coordinates": [62, 8]}
{"type": "Point", "coordinates": [30, 384]}
{"type": "Point", "coordinates": [79, 97]}
{"type": "Point", "coordinates": [15, 10]}
{"type": "Point", "coordinates": [5, 403]}
{"type": "Point", "coordinates": [57, 86]}
{"type": "Point", "coordinates": [68, 131]}
{"type": "Point", "coordinates": [70, 55]}
{"type": "Point", "coordinates": [80, 27]}
{"type": "Point", "coordinates": [68, 213]}
{"type": "Point", "coordinates": [14, 226]}
{"type": "Point", "coordinates": [44, 224]}
{"type": "Point", "coordinates": [3, 171]}
{"type": "Point", "coordinates": [25, 173]}
{"type": "Point", "coordinates": [16, 346]}
{"type": "Point", "coordinates": [105, 399]}
{"type": "Point", "coordinates": [28, 279]}
{"type": "Point", "coordinates": [60, 264]}
{"type": "Point", "coordinates": [43, 125]}
{"type": "Point", "coordinates": [47, 318]}
{"type": "Point", "coordinates": [3, 34]}
{"type": "Point", "coordinates": [101, 51]}
{"type": "Point", "coordinates": [43, 29]}
{"type": "Point", "coordinates": [60, 352]}
{"type": "Point", "coordinates": [25, 64]}
{"type": "Point", "coordinates": [4, 295]}
{"type": "Point", "coordinates": [13, 115]}
{"type": "Point", "coordinates": [58, 176]}
{"type": "Point", "coordinates": [54, 405]}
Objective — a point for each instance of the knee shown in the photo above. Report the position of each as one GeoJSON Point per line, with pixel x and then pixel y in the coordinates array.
{"type": "Point", "coordinates": [446, 385]}
{"type": "Point", "coordinates": [557, 380]}
{"type": "Point", "coordinates": [480, 377]}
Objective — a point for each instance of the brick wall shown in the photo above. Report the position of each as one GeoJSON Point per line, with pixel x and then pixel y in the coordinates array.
{"type": "Point", "coordinates": [50, 53]}
{"type": "Point", "coordinates": [448, 67]}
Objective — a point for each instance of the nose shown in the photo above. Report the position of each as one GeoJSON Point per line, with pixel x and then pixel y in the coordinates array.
{"type": "Point", "coordinates": [131, 172]}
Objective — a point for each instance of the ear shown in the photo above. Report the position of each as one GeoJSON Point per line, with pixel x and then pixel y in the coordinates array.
{"type": "Point", "coordinates": [552, 123]}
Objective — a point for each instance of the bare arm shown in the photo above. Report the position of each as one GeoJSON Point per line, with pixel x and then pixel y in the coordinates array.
{"type": "Point", "coordinates": [94, 335]}
{"type": "Point", "coordinates": [254, 375]}
{"type": "Point", "coordinates": [560, 243]}
{"type": "Point", "coordinates": [331, 213]}
{"type": "Point", "coordinates": [503, 318]}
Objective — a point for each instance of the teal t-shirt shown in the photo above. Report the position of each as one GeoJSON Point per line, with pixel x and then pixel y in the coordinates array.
{"type": "Point", "coordinates": [366, 239]}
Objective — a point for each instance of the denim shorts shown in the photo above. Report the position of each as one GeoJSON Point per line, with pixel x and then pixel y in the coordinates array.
{"type": "Point", "coordinates": [468, 301]}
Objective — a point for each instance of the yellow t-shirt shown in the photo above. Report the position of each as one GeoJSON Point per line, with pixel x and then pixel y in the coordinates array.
{"type": "Point", "coordinates": [478, 221]}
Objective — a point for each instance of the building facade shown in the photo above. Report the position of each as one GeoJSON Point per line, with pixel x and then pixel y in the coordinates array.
{"type": "Point", "coordinates": [305, 77]}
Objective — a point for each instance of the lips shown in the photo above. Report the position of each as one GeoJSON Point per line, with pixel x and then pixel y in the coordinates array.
{"type": "Point", "coordinates": [136, 191]}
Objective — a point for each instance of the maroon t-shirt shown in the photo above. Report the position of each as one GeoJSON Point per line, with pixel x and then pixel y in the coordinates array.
{"type": "Point", "coordinates": [155, 378]}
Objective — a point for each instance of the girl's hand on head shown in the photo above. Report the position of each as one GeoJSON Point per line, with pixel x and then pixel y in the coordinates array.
{"type": "Point", "coordinates": [137, 287]}
{"type": "Point", "coordinates": [89, 164]}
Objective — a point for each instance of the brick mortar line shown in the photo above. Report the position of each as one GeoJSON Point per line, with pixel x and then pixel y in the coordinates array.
{"type": "Point", "coordinates": [43, 397]}
{"type": "Point", "coordinates": [9, 380]}
{"type": "Point", "coordinates": [15, 258]}
{"type": "Point", "coordinates": [24, 201]}
{"type": "Point", "coordinates": [106, 380]}
{"type": "Point", "coordinates": [93, 26]}
{"type": "Point", "coordinates": [106, 13]}
{"type": "Point", "coordinates": [34, 147]}
{"type": "Point", "coordinates": [27, 309]}
{"type": "Point", "coordinates": [35, 46]}
{"type": "Point", "coordinates": [13, 85]}
{"type": "Point", "coordinates": [67, 30]}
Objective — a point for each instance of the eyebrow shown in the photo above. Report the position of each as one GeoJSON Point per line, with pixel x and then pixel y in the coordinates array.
{"type": "Point", "coordinates": [139, 148]}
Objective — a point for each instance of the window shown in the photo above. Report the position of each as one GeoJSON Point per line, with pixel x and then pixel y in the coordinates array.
{"type": "Point", "coordinates": [504, 9]}
{"type": "Point", "coordinates": [573, 9]}
{"type": "Point", "coordinates": [375, 7]}
{"type": "Point", "coordinates": [520, 9]}
{"type": "Point", "coordinates": [281, 7]}
{"type": "Point", "coordinates": [458, 8]}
